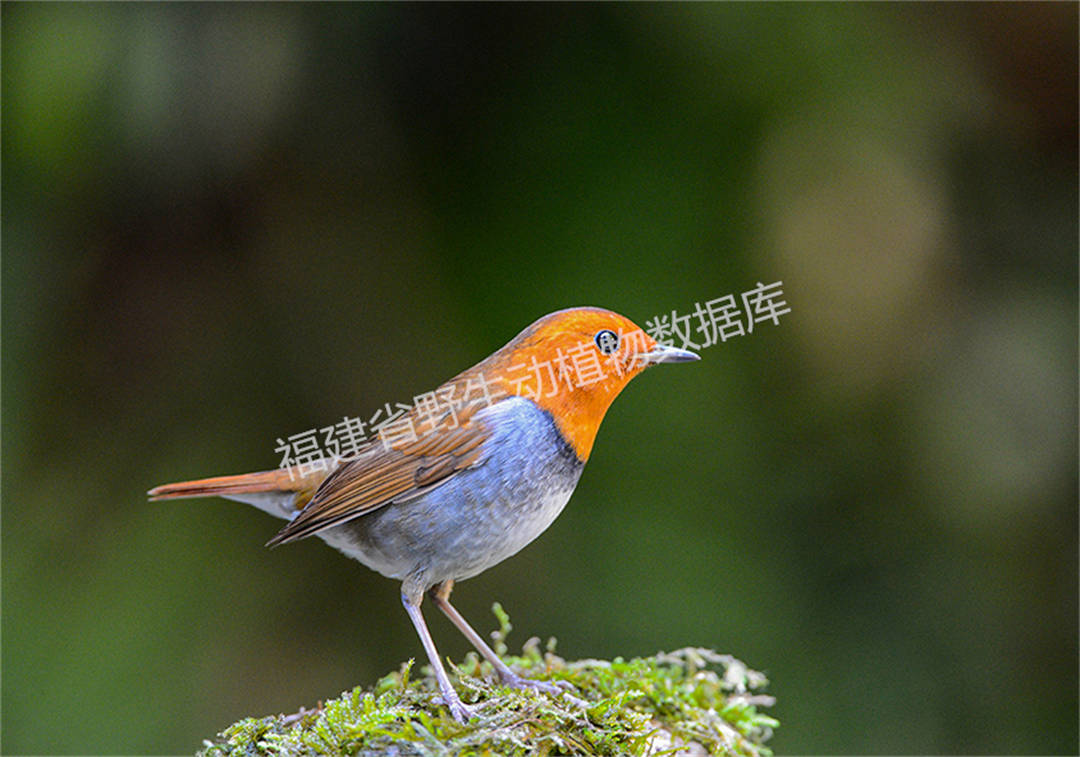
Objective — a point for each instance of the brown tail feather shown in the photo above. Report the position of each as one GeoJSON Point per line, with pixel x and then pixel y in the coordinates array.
{"type": "Point", "coordinates": [245, 483]}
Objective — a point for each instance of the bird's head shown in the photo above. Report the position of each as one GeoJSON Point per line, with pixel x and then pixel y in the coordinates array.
{"type": "Point", "coordinates": [573, 363]}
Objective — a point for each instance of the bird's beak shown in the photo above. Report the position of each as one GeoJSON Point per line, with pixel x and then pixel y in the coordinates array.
{"type": "Point", "coordinates": [663, 354]}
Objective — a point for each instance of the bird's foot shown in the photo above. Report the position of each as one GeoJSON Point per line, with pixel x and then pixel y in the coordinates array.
{"type": "Point", "coordinates": [556, 688]}
{"type": "Point", "coordinates": [297, 716]}
{"type": "Point", "coordinates": [460, 711]}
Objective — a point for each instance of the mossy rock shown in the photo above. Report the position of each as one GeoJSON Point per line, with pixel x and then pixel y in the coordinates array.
{"type": "Point", "coordinates": [691, 701]}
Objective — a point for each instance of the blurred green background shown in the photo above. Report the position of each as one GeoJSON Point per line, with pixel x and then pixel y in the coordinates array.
{"type": "Point", "coordinates": [225, 224]}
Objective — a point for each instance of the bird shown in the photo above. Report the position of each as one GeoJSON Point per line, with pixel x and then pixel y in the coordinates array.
{"type": "Point", "coordinates": [471, 474]}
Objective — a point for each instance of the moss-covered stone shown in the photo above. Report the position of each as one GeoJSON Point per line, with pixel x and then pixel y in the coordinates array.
{"type": "Point", "coordinates": [691, 701]}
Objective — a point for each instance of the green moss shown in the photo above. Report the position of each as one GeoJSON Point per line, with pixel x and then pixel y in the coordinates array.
{"type": "Point", "coordinates": [651, 705]}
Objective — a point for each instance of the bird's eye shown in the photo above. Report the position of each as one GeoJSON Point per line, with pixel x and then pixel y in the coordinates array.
{"type": "Point", "coordinates": [607, 341]}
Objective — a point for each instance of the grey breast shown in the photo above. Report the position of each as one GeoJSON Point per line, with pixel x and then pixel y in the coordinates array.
{"type": "Point", "coordinates": [477, 517]}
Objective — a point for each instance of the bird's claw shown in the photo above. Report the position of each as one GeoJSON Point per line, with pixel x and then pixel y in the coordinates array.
{"type": "Point", "coordinates": [460, 711]}
{"type": "Point", "coordinates": [555, 688]}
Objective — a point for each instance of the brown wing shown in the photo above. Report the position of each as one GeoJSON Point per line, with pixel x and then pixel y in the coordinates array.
{"type": "Point", "coordinates": [380, 476]}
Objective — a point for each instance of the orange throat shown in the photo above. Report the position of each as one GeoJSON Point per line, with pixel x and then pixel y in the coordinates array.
{"type": "Point", "coordinates": [578, 414]}
{"type": "Point", "coordinates": [558, 364]}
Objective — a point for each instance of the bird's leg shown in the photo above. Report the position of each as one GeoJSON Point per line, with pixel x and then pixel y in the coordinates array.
{"type": "Point", "coordinates": [411, 599]}
{"type": "Point", "coordinates": [440, 595]}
